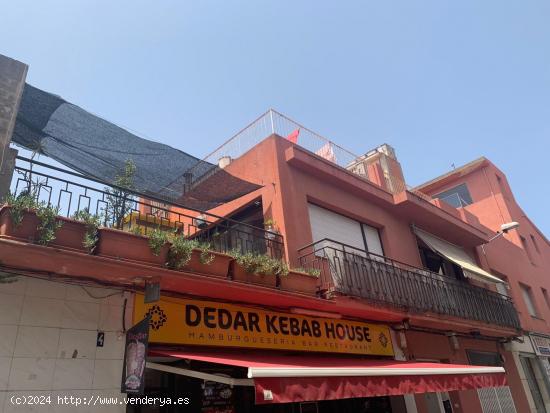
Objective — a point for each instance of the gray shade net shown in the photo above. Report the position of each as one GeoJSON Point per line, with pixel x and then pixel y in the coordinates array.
{"type": "Point", "coordinates": [99, 149]}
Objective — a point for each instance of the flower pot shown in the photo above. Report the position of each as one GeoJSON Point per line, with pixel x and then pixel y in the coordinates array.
{"type": "Point", "coordinates": [70, 235]}
{"type": "Point", "coordinates": [27, 231]}
{"type": "Point", "coordinates": [300, 282]}
{"type": "Point", "coordinates": [114, 243]}
{"type": "Point", "coordinates": [218, 268]}
{"type": "Point", "coordinates": [239, 274]}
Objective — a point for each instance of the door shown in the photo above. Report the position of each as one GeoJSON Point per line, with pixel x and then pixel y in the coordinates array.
{"type": "Point", "coordinates": [528, 369]}
{"type": "Point", "coordinates": [349, 267]}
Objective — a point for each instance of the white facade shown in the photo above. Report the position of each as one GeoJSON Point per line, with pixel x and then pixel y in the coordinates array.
{"type": "Point", "coordinates": [48, 343]}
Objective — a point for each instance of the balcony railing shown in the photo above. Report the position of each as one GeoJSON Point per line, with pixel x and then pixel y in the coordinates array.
{"type": "Point", "coordinates": [123, 209]}
{"type": "Point", "coordinates": [354, 272]}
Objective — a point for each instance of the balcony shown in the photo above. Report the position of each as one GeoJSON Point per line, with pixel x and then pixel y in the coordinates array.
{"type": "Point", "coordinates": [120, 208]}
{"type": "Point", "coordinates": [349, 271]}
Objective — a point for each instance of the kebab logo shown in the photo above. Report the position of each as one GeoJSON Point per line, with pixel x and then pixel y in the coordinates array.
{"type": "Point", "coordinates": [157, 316]}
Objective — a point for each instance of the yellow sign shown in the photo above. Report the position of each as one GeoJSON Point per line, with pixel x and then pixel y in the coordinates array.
{"type": "Point", "coordinates": [182, 321]}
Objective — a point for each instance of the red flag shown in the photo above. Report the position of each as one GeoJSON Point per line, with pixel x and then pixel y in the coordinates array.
{"type": "Point", "coordinates": [293, 137]}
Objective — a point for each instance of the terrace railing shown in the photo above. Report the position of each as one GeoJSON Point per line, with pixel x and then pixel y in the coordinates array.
{"type": "Point", "coordinates": [121, 208]}
{"type": "Point", "coordinates": [354, 272]}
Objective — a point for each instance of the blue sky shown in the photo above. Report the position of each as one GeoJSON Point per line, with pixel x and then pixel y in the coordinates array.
{"type": "Point", "coordinates": [443, 82]}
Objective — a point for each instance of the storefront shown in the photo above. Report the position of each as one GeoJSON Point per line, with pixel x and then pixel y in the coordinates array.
{"type": "Point", "coordinates": [233, 358]}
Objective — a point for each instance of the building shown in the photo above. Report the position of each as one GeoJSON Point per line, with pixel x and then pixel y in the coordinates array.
{"type": "Point", "coordinates": [393, 301]}
{"type": "Point", "coordinates": [521, 257]}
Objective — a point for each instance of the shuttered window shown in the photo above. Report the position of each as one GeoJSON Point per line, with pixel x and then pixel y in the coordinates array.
{"type": "Point", "coordinates": [327, 224]}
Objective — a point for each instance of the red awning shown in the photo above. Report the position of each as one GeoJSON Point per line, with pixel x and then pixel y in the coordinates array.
{"type": "Point", "coordinates": [286, 379]}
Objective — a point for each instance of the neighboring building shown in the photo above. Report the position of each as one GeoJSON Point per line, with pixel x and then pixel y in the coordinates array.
{"type": "Point", "coordinates": [521, 257]}
{"type": "Point", "coordinates": [390, 304]}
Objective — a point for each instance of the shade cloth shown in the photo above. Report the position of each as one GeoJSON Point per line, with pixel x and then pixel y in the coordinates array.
{"type": "Point", "coordinates": [88, 144]}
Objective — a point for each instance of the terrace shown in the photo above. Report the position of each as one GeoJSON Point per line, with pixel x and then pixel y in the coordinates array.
{"type": "Point", "coordinates": [121, 208]}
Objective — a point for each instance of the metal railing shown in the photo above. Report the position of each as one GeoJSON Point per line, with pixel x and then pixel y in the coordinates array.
{"type": "Point", "coordinates": [354, 272]}
{"type": "Point", "coordinates": [273, 122]}
{"type": "Point", "coordinates": [124, 209]}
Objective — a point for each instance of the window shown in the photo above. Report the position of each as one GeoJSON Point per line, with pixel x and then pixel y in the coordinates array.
{"type": "Point", "coordinates": [527, 249]}
{"type": "Point", "coordinates": [527, 295]}
{"type": "Point", "coordinates": [458, 196]}
{"type": "Point", "coordinates": [341, 229]}
{"type": "Point", "coordinates": [534, 241]}
{"type": "Point", "coordinates": [372, 238]}
{"type": "Point", "coordinates": [502, 288]}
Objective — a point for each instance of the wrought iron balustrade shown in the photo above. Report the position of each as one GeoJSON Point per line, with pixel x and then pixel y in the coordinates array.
{"type": "Point", "coordinates": [124, 209]}
{"type": "Point", "coordinates": [354, 272]}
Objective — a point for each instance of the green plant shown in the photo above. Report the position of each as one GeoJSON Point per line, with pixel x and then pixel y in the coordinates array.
{"type": "Point", "coordinates": [157, 239]}
{"type": "Point", "coordinates": [119, 199]}
{"type": "Point", "coordinates": [313, 272]}
{"type": "Point", "coordinates": [49, 223]}
{"type": "Point", "coordinates": [206, 257]}
{"type": "Point", "coordinates": [180, 251]}
{"type": "Point", "coordinates": [92, 225]}
{"type": "Point", "coordinates": [269, 223]}
{"type": "Point", "coordinates": [20, 203]}
{"type": "Point", "coordinates": [260, 264]}
{"type": "Point", "coordinates": [136, 230]}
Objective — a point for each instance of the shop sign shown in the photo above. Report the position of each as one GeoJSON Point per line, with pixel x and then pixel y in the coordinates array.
{"type": "Point", "coordinates": [193, 322]}
{"type": "Point", "coordinates": [135, 352]}
{"type": "Point", "coordinates": [541, 345]}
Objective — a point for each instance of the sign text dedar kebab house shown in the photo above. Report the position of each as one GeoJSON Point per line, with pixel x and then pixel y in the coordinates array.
{"type": "Point", "coordinates": [193, 322]}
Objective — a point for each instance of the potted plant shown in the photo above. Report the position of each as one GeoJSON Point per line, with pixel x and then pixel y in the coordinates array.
{"type": "Point", "coordinates": [205, 261]}
{"type": "Point", "coordinates": [18, 219]}
{"type": "Point", "coordinates": [197, 257]}
{"type": "Point", "coordinates": [301, 280]}
{"type": "Point", "coordinates": [271, 227]}
{"type": "Point", "coordinates": [114, 243]}
{"type": "Point", "coordinates": [258, 269]}
{"type": "Point", "coordinates": [24, 218]}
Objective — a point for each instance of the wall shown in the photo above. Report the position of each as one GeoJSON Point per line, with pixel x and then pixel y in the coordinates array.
{"type": "Point", "coordinates": [48, 334]}
{"type": "Point", "coordinates": [12, 81]}
{"type": "Point", "coordinates": [494, 204]}
{"type": "Point", "coordinates": [287, 190]}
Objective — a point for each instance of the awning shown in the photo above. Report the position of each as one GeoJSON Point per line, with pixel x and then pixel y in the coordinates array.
{"type": "Point", "coordinates": [456, 255]}
{"type": "Point", "coordinates": [286, 379]}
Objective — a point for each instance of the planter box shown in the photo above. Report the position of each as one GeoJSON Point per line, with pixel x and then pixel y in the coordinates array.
{"type": "Point", "coordinates": [299, 282]}
{"type": "Point", "coordinates": [114, 243]}
{"type": "Point", "coordinates": [239, 274]}
{"type": "Point", "coordinates": [218, 268]}
{"type": "Point", "coordinates": [25, 232]}
{"type": "Point", "coordinates": [70, 235]}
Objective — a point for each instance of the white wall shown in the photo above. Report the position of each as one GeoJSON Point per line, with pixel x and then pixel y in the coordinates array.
{"type": "Point", "coordinates": [48, 334]}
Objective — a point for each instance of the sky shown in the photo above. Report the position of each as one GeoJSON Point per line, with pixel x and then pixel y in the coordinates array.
{"type": "Point", "coordinates": [443, 82]}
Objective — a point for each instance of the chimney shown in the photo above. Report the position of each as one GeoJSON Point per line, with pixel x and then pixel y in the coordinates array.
{"type": "Point", "coordinates": [381, 167]}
